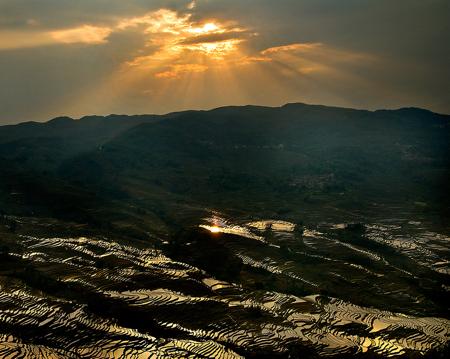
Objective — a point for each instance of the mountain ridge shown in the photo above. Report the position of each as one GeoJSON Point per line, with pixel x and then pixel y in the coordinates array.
{"type": "Point", "coordinates": [174, 113]}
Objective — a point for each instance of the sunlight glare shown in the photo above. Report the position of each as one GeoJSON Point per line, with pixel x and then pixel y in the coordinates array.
{"type": "Point", "coordinates": [206, 28]}
{"type": "Point", "coordinates": [215, 229]}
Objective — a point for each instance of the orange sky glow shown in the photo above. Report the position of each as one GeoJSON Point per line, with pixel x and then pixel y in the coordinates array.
{"type": "Point", "coordinates": [158, 59]}
{"type": "Point", "coordinates": [209, 59]}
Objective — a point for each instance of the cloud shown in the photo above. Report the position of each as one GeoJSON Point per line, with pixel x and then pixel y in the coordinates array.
{"type": "Point", "coordinates": [84, 34]}
{"type": "Point", "coordinates": [176, 70]}
{"type": "Point", "coordinates": [249, 60]}
{"type": "Point", "coordinates": [58, 14]}
{"type": "Point", "coordinates": [191, 5]}
{"type": "Point", "coordinates": [16, 39]}
{"type": "Point", "coordinates": [292, 47]}
{"type": "Point", "coordinates": [215, 37]}
{"type": "Point", "coordinates": [160, 21]}
{"type": "Point", "coordinates": [168, 28]}
{"type": "Point", "coordinates": [176, 39]}
{"type": "Point", "coordinates": [307, 58]}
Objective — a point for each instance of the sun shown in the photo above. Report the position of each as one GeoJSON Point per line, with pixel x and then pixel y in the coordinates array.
{"type": "Point", "coordinates": [206, 28]}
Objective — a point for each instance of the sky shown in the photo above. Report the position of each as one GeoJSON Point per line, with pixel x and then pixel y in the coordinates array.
{"type": "Point", "coordinates": [83, 57]}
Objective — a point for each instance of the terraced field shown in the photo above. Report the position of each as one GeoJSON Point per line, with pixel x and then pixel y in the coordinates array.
{"type": "Point", "coordinates": [225, 288]}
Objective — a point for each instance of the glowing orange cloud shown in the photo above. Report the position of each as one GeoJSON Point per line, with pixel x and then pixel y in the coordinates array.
{"type": "Point", "coordinates": [83, 34]}
{"type": "Point", "coordinates": [160, 21]}
{"type": "Point", "coordinates": [86, 34]}
{"type": "Point", "coordinates": [176, 33]}
{"type": "Point", "coordinates": [176, 70]}
{"type": "Point", "coordinates": [180, 45]}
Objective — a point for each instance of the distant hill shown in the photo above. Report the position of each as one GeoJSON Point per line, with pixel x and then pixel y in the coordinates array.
{"type": "Point", "coordinates": [280, 160]}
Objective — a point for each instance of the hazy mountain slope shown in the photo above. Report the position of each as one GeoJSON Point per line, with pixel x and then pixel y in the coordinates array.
{"type": "Point", "coordinates": [44, 145]}
{"type": "Point", "coordinates": [272, 156]}
{"type": "Point", "coordinates": [30, 153]}
{"type": "Point", "coordinates": [279, 158]}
